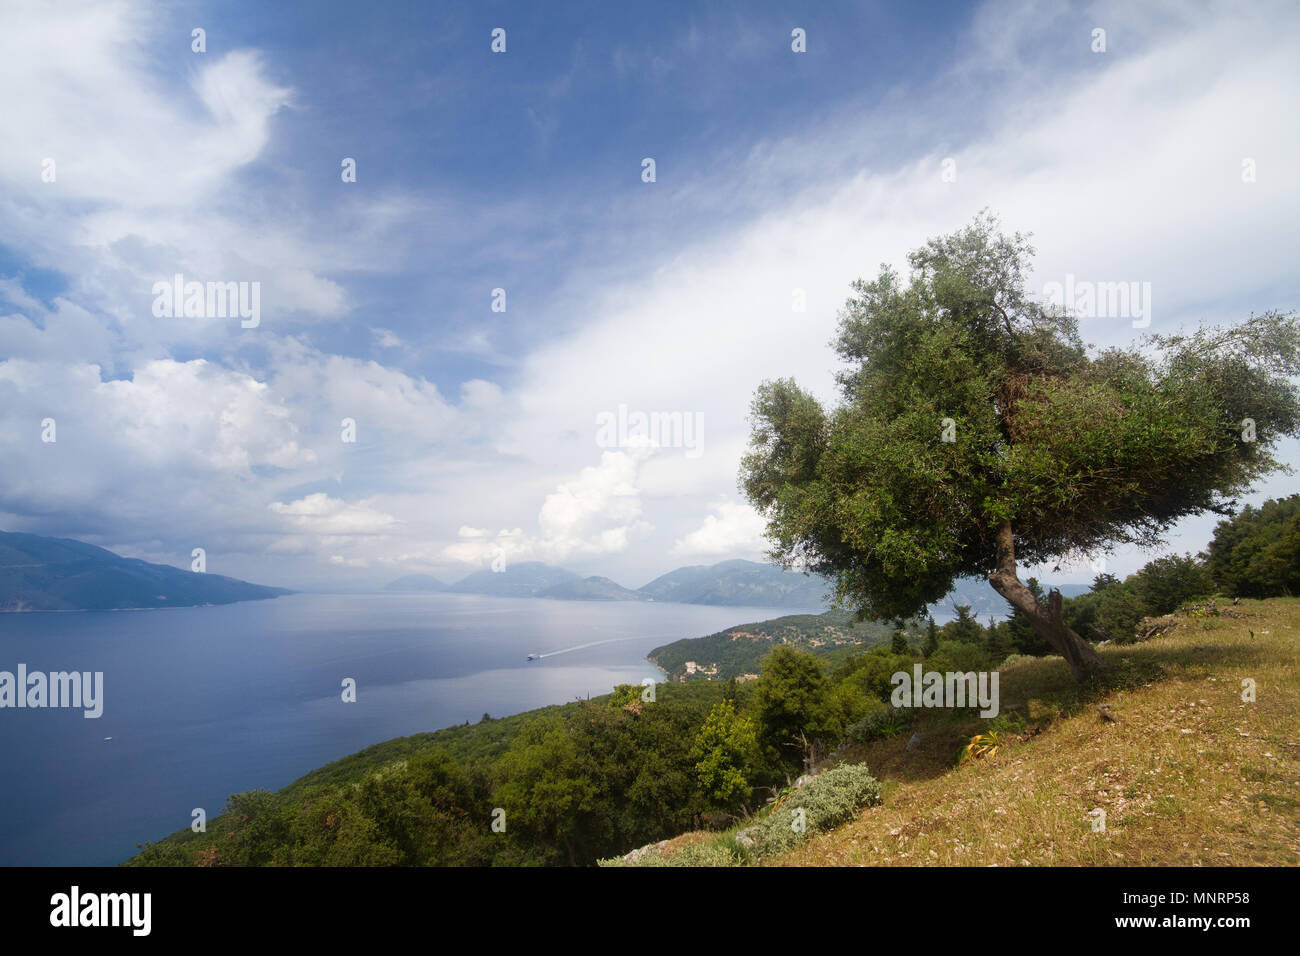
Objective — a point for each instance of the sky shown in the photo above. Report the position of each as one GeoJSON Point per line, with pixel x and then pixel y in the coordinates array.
{"type": "Point", "coordinates": [499, 284]}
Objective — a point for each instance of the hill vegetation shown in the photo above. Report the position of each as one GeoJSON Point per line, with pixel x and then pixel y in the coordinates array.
{"type": "Point", "coordinates": [1165, 764]}
{"type": "Point", "coordinates": [737, 652]}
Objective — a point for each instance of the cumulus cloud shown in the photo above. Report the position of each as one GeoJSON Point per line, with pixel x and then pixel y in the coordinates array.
{"type": "Point", "coordinates": [732, 529]}
{"type": "Point", "coordinates": [596, 512]}
{"type": "Point", "coordinates": [1125, 166]}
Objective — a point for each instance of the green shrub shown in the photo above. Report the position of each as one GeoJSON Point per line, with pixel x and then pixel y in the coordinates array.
{"type": "Point", "coordinates": [721, 851]}
{"type": "Point", "coordinates": [828, 800]}
{"type": "Point", "coordinates": [885, 722]}
{"type": "Point", "coordinates": [1008, 722]}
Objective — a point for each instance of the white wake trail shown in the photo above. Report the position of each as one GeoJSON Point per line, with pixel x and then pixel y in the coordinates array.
{"type": "Point", "coordinates": [579, 647]}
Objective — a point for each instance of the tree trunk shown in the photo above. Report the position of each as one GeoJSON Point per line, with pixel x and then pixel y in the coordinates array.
{"type": "Point", "coordinates": [1047, 621]}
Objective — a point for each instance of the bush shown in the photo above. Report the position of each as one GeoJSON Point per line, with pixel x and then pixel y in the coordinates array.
{"type": "Point", "coordinates": [885, 722]}
{"type": "Point", "coordinates": [828, 800]}
{"type": "Point", "coordinates": [1168, 582]}
{"type": "Point", "coordinates": [721, 851]}
{"type": "Point", "coordinates": [959, 658]}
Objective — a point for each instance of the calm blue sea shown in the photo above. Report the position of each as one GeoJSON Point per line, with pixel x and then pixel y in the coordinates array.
{"type": "Point", "coordinates": [204, 702]}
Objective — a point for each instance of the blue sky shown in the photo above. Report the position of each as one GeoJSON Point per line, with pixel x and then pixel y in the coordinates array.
{"type": "Point", "coordinates": [775, 170]}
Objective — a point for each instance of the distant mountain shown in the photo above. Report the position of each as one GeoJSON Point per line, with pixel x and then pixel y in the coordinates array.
{"type": "Point", "coordinates": [728, 584]}
{"type": "Point", "coordinates": [593, 589]}
{"type": "Point", "coordinates": [59, 574]}
{"type": "Point", "coordinates": [416, 582]}
{"type": "Point", "coordinates": [740, 582]}
{"type": "Point", "coordinates": [527, 579]}
{"type": "Point", "coordinates": [984, 602]}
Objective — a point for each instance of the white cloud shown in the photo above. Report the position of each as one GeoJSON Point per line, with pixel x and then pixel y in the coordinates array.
{"type": "Point", "coordinates": [1128, 169]}
{"type": "Point", "coordinates": [597, 512]}
{"type": "Point", "coordinates": [1125, 167]}
{"type": "Point", "coordinates": [318, 513]}
{"type": "Point", "coordinates": [733, 529]}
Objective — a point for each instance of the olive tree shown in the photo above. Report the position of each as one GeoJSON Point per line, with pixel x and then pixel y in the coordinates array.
{"type": "Point", "coordinates": [975, 432]}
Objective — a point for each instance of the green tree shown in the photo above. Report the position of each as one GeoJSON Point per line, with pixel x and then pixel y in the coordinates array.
{"type": "Point", "coordinates": [976, 431]}
{"type": "Point", "coordinates": [873, 671]}
{"type": "Point", "coordinates": [964, 628]}
{"type": "Point", "coordinates": [725, 750]}
{"type": "Point", "coordinates": [898, 642]}
{"type": "Point", "coordinates": [931, 638]}
{"type": "Point", "coordinates": [793, 703]}
{"type": "Point", "coordinates": [1168, 582]}
{"type": "Point", "coordinates": [1080, 613]}
{"type": "Point", "coordinates": [999, 642]}
{"type": "Point", "coordinates": [548, 792]}
{"type": "Point", "coordinates": [959, 656]}
{"type": "Point", "coordinates": [1025, 637]}
{"type": "Point", "coordinates": [1119, 612]}
{"type": "Point", "coordinates": [1257, 552]}
{"type": "Point", "coordinates": [260, 829]}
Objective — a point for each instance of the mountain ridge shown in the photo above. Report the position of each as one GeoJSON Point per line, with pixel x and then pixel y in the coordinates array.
{"type": "Point", "coordinates": [39, 573]}
{"type": "Point", "coordinates": [728, 583]}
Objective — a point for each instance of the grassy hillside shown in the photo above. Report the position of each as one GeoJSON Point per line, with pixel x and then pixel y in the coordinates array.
{"type": "Point", "coordinates": [1187, 772]}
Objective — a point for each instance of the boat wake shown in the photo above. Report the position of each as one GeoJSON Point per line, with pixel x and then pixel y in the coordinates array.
{"type": "Point", "coordinates": [579, 647]}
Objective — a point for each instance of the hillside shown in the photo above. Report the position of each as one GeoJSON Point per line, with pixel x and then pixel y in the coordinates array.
{"type": "Point", "coordinates": [594, 588]}
{"type": "Point", "coordinates": [1188, 773]}
{"type": "Point", "coordinates": [60, 574]}
{"type": "Point", "coordinates": [737, 651]}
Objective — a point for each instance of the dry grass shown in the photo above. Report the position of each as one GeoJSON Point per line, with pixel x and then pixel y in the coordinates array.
{"type": "Point", "coordinates": [1187, 772]}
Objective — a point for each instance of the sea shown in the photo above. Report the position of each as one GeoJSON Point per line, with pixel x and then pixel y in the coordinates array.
{"type": "Point", "coordinates": [202, 702]}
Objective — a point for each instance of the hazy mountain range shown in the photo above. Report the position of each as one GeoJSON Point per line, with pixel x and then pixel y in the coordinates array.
{"type": "Point", "coordinates": [59, 574]}
{"type": "Point", "coordinates": [51, 574]}
{"type": "Point", "coordinates": [725, 584]}
{"type": "Point", "coordinates": [729, 583]}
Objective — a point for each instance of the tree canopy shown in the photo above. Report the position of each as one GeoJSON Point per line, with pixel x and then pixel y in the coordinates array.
{"type": "Point", "coordinates": [975, 429]}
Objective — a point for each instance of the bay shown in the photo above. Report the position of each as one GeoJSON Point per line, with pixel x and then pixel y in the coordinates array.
{"type": "Point", "coordinates": [203, 702]}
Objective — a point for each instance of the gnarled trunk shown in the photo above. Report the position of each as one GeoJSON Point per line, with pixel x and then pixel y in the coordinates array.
{"type": "Point", "coordinates": [1047, 621]}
